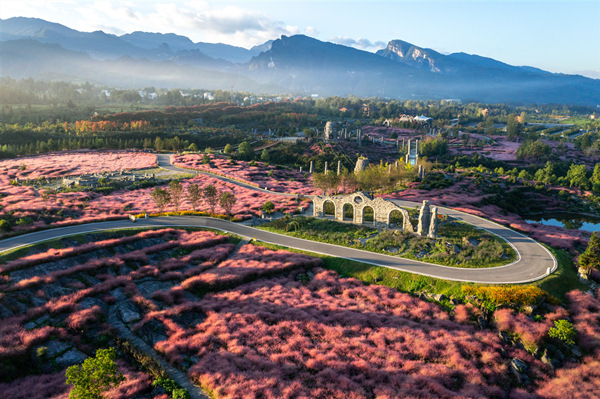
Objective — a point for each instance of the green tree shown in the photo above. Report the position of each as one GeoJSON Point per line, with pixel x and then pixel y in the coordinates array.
{"type": "Point", "coordinates": [268, 207]}
{"type": "Point", "coordinates": [194, 195]}
{"type": "Point", "coordinates": [205, 159]}
{"type": "Point", "coordinates": [159, 144]}
{"type": "Point", "coordinates": [95, 376]}
{"type": "Point", "coordinates": [264, 156]}
{"type": "Point", "coordinates": [564, 331]}
{"type": "Point", "coordinates": [193, 147]}
{"type": "Point", "coordinates": [161, 198]}
{"type": "Point", "coordinates": [590, 258]}
{"type": "Point", "coordinates": [596, 178]}
{"type": "Point", "coordinates": [211, 196]}
{"type": "Point", "coordinates": [513, 127]}
{"type": "Point", "coordinates": [176, 192]}
{"type": "Point", "coordinates": [228, 149]}
{"type": "Point", "coordinates": [227, 201]}
{"type": "Point", "coordinates": [577, 177]}
{"type": "Point", "coordinates": [245, 151]}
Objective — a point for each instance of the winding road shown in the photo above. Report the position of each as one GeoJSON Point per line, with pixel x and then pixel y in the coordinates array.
{"type": "Point", "coordinates": [534, 260]}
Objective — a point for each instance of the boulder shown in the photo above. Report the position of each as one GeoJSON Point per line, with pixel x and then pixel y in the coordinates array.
{"type": "Point", "coordinates": [128, 312]}
{"type": "Point", "coordinates": [70, 358]}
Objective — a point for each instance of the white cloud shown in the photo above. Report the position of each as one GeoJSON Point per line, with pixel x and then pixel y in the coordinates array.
{"type": "Point", "coordinates": [311, 31]}
{"type": "Point", "coordinates": [199, 20]}
{"type": "Point", "coordinates": [361, 43]}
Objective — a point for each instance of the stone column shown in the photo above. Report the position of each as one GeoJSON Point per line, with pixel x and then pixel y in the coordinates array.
{"type": "Point", "coordinates": [339, 168]}
{"type": "Point", "coordinates": [397, 164]}
{"type": "Point", "coordinates": [420, 174]}
{"type": "Point", "coordinates": [326, 168]}
{"type": "Point", "coordinates": [300, 169]}
{"type": "Point", "coordinates": [389, 169]}
{"type": "Point", "coordinates": [433, 225]}
{"type": "Point", "coordinates": [424, 217]}
{"type": "Point", "coordinates": [312, 168]}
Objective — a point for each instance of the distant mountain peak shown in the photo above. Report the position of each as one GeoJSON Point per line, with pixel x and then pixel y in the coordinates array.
{"type": "Point", "coordinates": [407, 53]}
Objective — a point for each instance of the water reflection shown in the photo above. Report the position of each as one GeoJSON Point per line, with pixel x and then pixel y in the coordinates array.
{"type": "Point", "coordinates": [567, 221]}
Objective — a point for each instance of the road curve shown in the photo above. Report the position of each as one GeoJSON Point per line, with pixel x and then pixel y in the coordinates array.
{"type": "Point", "coordinates": [533, 263]}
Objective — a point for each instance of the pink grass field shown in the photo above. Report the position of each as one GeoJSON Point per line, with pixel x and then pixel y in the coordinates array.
{"type": "Point", "coordinates": [72, 163]}
{"type": "Point", "coordinates": [253, 322]}
{"type": "Point", "coordinates": [254, 175]}
{"type": "Point", "coordinates": [81, 207]}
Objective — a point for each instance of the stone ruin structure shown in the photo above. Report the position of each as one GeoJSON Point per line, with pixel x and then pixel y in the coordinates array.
{"type": "Point", "coordinates": [382, 212]}
{"type": "Point", "coordinates": [330, 131]}
{"type": "Point", "coordinates": [361, 164]}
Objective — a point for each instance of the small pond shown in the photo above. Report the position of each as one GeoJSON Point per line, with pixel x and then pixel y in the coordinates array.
{"type": "Point", "coordinates": [566, 220]}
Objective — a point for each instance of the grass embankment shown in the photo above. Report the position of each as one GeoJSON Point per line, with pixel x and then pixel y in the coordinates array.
{"type": "Point", "coordinates": [563, 280]}
{"type": "Point", "coordinates": [461, 245]}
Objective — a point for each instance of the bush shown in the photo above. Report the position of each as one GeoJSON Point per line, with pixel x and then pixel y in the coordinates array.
{"type": "Point", "coordinates": [268, 207]}
{"type": "Point", "coordinates": [507, 294]}
{"type": "Point", "coordinates": [4, 225]}
{"type": "Point", "coordinates": [564, 331]}
{"type": "Point", "coordinates": [24, 221]}
{"type": "Point", "coordinates": [96, 375]}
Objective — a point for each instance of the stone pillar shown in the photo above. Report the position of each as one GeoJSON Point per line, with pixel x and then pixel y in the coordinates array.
{"type": "Point", "coordinates": [339, 169]}
{"type": "Point", "coordinates": [326, 168]}
{"type": "Point", "coordinates": [420, 174]}
{"type": "Point", "coordinates": [361, 164]}
{"type": "Point", "coordinates": [389, 169]}
{"type": "Point", "coordinates": [397, 164]}
{"type": "Point", "coordinates": [424, 217]}
{"type": "Point", "coordinates": [433, 225]}
{"type": "Point", "coordinates": [300, 169]}
{"type": "Point", "coordinates": [311, 170]}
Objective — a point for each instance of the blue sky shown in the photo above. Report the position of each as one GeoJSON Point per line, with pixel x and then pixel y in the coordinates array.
{"type": "Point", "coordinates": [559, 36]}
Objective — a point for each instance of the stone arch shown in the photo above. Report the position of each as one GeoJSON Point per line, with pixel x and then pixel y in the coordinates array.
{"type": "Point", "coordinates": [368, 214]}
{"type": "Point", "coordinates": [348, 211]}
{"type": "Point", "coordinates": [329, 208]}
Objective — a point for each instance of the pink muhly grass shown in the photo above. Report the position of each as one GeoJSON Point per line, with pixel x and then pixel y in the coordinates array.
{"type": "Point", "coordinates": [37, 387]}
{"type": "Point", "coordinates": [81, 318]}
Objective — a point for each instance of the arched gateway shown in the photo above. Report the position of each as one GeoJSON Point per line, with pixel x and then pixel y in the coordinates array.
{"type": "Point", "coordinates": [361, 207]}
{"type": "Point", "coordinates": [354, 205]}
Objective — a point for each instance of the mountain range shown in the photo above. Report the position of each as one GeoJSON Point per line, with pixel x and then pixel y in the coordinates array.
{"type": "Point", "coordinates": [297, 64]}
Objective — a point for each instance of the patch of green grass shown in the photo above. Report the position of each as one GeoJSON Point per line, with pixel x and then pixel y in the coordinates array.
{"type": "Point", "coordinates": [564, 279]}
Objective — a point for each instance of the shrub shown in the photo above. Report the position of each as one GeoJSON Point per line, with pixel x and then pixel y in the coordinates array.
{"type": "Point", "coordinates": [564, 331]}
{"type": "Point", "coordinates": [4, 225]}
{"type": "Point", "coordinates": [507, 294]}
{"type": "Point", "coordinates": [268, 207]}
{"type": "Point", "coordinates": [95, 376]}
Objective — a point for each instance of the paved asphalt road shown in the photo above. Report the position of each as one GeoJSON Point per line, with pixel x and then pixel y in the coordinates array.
{"type": "Point", "coordinates": [534, 261]}
{"type": "Point", "coordinates": [531, 266]}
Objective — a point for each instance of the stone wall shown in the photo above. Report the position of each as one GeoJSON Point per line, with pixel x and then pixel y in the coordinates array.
{"type": "Point", "coordinates": [359, 201]}
{"type": "Point", "coordinates": [382, 210]}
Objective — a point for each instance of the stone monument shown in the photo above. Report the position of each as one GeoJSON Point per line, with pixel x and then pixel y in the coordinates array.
{"type": "Point", "coordinates": [424, 218]}
{"type": "Point", "coordinates": [361, 164]}
{"type": "Point", "coordinates": [433, 225]}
